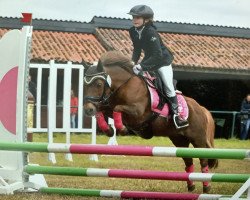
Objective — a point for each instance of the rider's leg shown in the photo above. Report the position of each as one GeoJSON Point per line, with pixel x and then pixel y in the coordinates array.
{"type": "Point", "coordinates": [166, 73]}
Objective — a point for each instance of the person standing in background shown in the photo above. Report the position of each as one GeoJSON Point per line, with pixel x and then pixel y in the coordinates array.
{"type": "Point", "coordinates": [73, 109]}
{"type": "Point", "coordinates": [245, 122]}
{"type": "Point", "coordinates": [32, 87]}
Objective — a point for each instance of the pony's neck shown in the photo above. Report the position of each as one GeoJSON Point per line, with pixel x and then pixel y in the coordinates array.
{"type": "Point", "coordinates": [118, 76]}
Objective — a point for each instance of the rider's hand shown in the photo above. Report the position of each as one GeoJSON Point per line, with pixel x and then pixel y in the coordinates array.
{"type": "Point", "coordinates": [137, 69]}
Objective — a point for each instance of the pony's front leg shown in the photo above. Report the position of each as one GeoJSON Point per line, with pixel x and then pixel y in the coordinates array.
{"type": "Point", "coordinates": [133, 116]}
{"type": "Point", "coordinates": [117, 115]}
{"type": "Point", "coordinates": [132, 110]}
{"type": "Point", "coordinates": [121, 129]}
{"type": "Point", "coordinates": [103, 125]}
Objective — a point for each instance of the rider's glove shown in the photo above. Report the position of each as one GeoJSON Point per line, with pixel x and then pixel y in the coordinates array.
{"type": "Point", "coordinates": [137, 69]}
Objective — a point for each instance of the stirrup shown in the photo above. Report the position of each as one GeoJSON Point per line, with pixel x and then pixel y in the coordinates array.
{"type": "Point", "coordinates": [179, 123]}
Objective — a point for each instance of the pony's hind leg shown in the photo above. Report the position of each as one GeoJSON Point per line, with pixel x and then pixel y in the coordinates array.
{"type": "Point", "coordinates": [205, 169]}
{"type": "Point", "coordinates": [189, 169]}
{"type": "Point", "coordinates": [181, 141]}
{"type": "Point", "coordinates": [203, 163]}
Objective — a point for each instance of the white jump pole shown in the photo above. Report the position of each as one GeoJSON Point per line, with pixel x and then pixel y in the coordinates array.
{"type": "Point", "coordinates": [93, 157]}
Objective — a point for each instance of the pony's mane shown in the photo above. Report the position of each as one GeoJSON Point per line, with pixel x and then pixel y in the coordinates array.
{"type": "Point", "coordinates": [112, 58]}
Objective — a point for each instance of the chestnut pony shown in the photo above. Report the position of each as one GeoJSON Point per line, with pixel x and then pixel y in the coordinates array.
{"type": "Point", "coordinates": [128, 94]}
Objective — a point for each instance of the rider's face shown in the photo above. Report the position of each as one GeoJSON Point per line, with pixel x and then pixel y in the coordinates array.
{"type": "Point", "coordinates": [138, 21]}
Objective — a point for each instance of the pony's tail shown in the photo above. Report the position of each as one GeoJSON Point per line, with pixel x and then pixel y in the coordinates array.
{"type": "Point", "coordinates": [212, 163]}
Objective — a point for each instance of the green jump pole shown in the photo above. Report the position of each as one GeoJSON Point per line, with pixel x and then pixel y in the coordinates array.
{"type": "Point", "coordinates": [138, 174]}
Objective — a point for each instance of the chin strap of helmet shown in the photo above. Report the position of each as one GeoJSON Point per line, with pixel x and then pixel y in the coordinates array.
{"type": "Point", "coordinates": [139, 30]}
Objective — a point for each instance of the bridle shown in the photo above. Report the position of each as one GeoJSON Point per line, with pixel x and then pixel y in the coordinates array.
{"type": "Point", "coordinates": [107, 94]}
{"type": "Point", "coordinates": [101, 99]}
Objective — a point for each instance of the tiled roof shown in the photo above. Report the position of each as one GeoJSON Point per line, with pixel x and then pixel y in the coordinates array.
{"type": "Point", "coordinates": [190, 50]}
{"type": "Point", "coordinates": [63, 46]}
{"type": "Point", "coordinates": [174, 27]}
{"type": "Point", "coordinates": [208, 51]}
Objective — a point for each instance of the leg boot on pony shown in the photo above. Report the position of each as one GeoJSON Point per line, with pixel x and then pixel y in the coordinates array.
{"type": "Point", "coordinates": [121, 129]}
{"type": "Point", "coordinates": [103, 125]}
{"type": "Point", "coordinates": [178, 121]}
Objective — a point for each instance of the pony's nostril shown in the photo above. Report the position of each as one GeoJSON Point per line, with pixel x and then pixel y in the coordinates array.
{"type": "Point", "coordinates": [89, 111]}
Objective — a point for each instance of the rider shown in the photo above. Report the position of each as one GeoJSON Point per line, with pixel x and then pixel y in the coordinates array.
{"type": "Point", "coordinates": [157, 56]}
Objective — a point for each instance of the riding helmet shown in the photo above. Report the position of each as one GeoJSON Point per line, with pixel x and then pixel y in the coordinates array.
{"type": "Point", "coordinates": [142, 11]}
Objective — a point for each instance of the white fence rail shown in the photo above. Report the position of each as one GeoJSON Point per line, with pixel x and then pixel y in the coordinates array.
{"type": "Point", "coordinates": [52, 103]}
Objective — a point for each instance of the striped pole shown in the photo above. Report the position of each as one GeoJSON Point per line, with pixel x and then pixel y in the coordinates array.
{"type": "Point", "coordinates": [137, 174]}
{"type": "Point", "coordinates": [128, 150]}
{"type": "Point", "coordinates": [130, 194]}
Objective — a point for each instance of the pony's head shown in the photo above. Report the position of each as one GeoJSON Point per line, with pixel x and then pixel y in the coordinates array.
{"type": "Point", "coordinates": [97, 81]}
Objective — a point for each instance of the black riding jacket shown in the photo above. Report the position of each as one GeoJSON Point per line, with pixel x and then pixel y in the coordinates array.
{"type": "Point", "coordinates": [156, 53]}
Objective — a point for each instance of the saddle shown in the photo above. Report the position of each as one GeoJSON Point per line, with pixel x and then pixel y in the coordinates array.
{"type": "Point", "coordinates": [159, 101]}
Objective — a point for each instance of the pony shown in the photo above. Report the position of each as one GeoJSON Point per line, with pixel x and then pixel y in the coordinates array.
{"type": "Point", "coordinates": [112, 86]}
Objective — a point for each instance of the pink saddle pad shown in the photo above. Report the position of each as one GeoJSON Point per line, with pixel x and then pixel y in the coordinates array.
{"type": "Point", "coordinates": [164, 112]}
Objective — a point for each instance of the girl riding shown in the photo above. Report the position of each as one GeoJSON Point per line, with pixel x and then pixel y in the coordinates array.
{"type": "Point", "coordinates": [157, 56]}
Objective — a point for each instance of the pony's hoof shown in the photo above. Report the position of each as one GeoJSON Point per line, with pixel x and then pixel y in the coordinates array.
{"type": "Point", "coordinates": [206, 189]}
{"type": "Point", "coordinates": [110, 132]}
{"type": "Point", "coordinates": [191, 188]}
{"type": "Point", "coordinates": [123, 131]}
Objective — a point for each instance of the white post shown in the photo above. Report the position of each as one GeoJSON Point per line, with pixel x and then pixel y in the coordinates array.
{"type": "Point", "coordinates": [51, 112]}
{"type": "Point", "coordinates": [38, 97]}
{"type": "Point", "coordinates": [245, 187]}
{"type": "Point", "coordinates": [14, 47]}
{"type": "Point", "coordinates": [14, 61]}
{"type": "Point", "coordinates": [80, 98]}
{"type": "Point", "coordinates": [112, 140]}
{"type": "Point", "coordinates": [93, 157]}
{"type": "Point", "coordinates": [66, 105]}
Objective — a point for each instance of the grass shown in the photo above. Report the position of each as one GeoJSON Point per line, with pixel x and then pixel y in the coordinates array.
{"type": "Point", "coordinates": [131, 162]}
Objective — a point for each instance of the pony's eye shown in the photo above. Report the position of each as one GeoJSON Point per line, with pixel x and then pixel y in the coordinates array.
{"type": "Point", "coordinates": [99, 84]}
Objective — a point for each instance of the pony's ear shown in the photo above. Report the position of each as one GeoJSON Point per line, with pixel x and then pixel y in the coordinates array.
{"type": "Point", "coordinates": [86, 66]}
{"type": "Point", "coordinates": [99, 66]}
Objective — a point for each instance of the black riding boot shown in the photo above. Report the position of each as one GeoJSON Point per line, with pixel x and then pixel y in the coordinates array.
{"type": "Point", "coordinates": [178, 121]}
